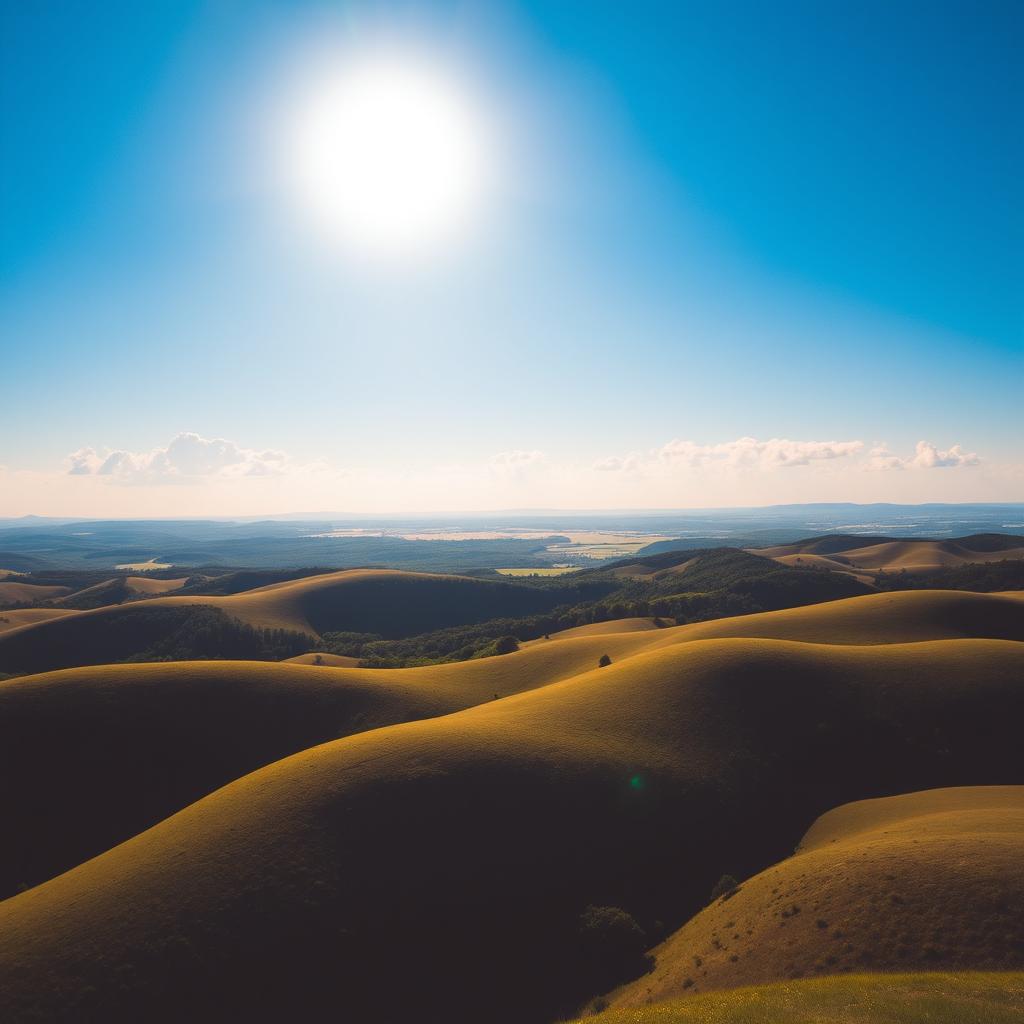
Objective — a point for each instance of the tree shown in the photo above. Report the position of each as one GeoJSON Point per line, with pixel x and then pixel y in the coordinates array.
{"type": "Point", "coordinates": [506, 645]}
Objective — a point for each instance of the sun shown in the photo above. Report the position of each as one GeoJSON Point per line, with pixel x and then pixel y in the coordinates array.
{"type": "Point", "coordinates": [387, 155]}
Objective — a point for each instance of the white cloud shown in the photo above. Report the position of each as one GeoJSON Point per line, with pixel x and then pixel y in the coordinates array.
{"type": "Point", "coordinates": [749, 452]}
{"type": "Point", "coordinates": [616, 464]}
{"type": "Point", "coordinates": [926, 456]}
{"type": "Point", "coordinates": [187, 457]}
{"type": "Point", "coordinates": [84, 462]}
{"type": "Point", "coordinates": [517, 459]}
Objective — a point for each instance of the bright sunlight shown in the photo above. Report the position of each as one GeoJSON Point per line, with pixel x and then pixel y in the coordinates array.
{"type": "Point", "coordinates": [387, 155]}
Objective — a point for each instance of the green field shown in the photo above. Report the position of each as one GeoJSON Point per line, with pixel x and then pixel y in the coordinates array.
{"type": "Point", "coordinates": [948, 998]}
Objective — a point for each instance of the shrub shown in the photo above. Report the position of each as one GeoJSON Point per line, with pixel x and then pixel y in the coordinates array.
{"type": "Point", "coordinates": [612, 943]}
{"type": "Point", "coordinates": [506, 645]}
{"type": "Point", "coordinates": [726, 886]}
{"type": "Point", "coordinates": [603, 661]}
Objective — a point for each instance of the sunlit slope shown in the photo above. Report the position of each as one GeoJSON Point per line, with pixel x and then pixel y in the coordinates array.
{"type": "Point", "coordinates": [332, 660]}
{"type": "Point", "coordinates": [386, 602]}
{"type": "Point", "coordinates": [91, 756]}
{"type": "Point", "coordinates": [900, 617]}
{"type": "Point", "coordinates": [928, 880]}
{"type": "Point", "coordinates": [969, 997]}
{"type": "Point", "coordinates": [635, 624]}
{"type": "Point", "coordinates": [120, 589]}
{"type": "Point", "coordinates": [13, 592]}
{"type": "Point", "coordinates": [438, 869]}
{"type": "Point", "coordinates": [874, 553]}
{"type": "Point", "coordinates": [15, 618]}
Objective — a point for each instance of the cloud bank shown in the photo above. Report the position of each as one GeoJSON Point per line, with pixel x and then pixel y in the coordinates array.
{"type": "Point", "coordinates": [187, 458]}
{"type": "Point", "coordinates": [196, 475]}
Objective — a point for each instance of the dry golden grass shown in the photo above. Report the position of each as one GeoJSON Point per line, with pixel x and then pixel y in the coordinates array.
{"type": "Point", "coordinates": [389, 603]}
{"type": "Point", "coordinates": [970, 997]}
{"type": "Point", "coordinates": [330, 660]}
{"type": "Point", "coordinates": [438, 868]}
{"type": "Point", "coordinates": [639, 624]}
{"type": "Point", "coordinates": [824, 562]}
{"type": "Point", "coordinates": [924, 881]}
{"type": "Point", "coordinates": [18, 593]}
{"type": "Point", "coordinates": [551, 571]}
{"type": "Point", "coordinates": [899, 617]}
{"type": "Point", "coordinates": [150, 585]}
{"type": "Point", "coordinates": [15, 618]}
{"type": "Point", "coordinates": [913, 556]}
{"type": "Point", "coordinates": [306, 605]}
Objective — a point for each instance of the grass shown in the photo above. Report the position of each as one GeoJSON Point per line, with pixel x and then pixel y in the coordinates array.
{"type": "Point", "coordinates": [440, 867]}
{"type": "Point", "coordinates": [881, 554]}
{"type": "Point", "coordinates": [387, 602]}
{"type": "Point", "coordinates": [921, 881]}
{"type": "Point", "coordinates": [554, 571]}
{"type": "Point", "coordinates": [946, 998]}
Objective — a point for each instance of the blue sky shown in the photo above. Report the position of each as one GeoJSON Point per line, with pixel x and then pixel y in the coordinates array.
{"type": "Point", "coordinates": [798, 223]}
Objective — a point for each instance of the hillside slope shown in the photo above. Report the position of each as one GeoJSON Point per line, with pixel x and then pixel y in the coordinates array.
{"type": "Point", "coordinates": [882, 553]}
{"type": "Point", "coordinates": [14, 592]}
{"type": "Point", "coordinates": [186, 728]}
{"type": "Point", "coordinates": [15, 618]}
{"type": "Point", "coordinates": [438, 869]}
{"type": "Point", "coordinates": [923, 881]}
{"type": "Point", "coordinates": [898, 617]}
{"type": "Point", "coordinates": [386, 602]}
{"type": "Point", "coordinates": [971, 997]}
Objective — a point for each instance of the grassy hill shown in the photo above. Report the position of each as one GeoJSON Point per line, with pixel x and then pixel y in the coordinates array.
{"type": "Point", "coordinates": [14, 618]}
{"type": "Point", "coordinates": [441, 869]}
{"type": "Point", "coordinates": [118, 590]}
{"type": "Point", "coordinates": [383, 602]}
{"type": "Point", "coordinates": [936, 998]}
{"type": "Point", "coordinates": [66, 736]}
{"type": "Point", "coordinates": [904, 616]}
{"type": "Point", "coordinates": [923, 881]}
{"type": "Point", "coordinates": [175, 722]}
{"type": "Point", "coordinates": [874, 554]}
{"type": "Point", "coordinates": [13, 591]}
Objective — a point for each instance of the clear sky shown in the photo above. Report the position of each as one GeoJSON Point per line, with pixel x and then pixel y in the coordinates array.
{"type": "Point", "coordinates": [716, 253]}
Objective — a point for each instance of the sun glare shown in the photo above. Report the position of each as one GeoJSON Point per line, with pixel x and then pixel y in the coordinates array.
{"type": "Point", "coordinates": [387, 155]}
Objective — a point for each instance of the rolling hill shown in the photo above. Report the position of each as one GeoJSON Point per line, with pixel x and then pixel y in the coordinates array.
{"type": "Point", "coordinates": [174, 721]}
{"type": "Point", "coordinates": [65, 736]}
{"type": "Point", "coordinates": [119, 590]}
{"type": "Point", "coordinates": [924, 881]}
{"type": "Point", "coordinates": [16, 592]}
{"type": "Point", "coordinates": [439, 869]}
{"type": "Point", "coordinates": [972, 997]}
{"type": "Point", "coordinates": [874, 554]}
{"type": "Point", "coordinates": [15, 618]}
{"type": "Point", "coordinates": [386, 602]}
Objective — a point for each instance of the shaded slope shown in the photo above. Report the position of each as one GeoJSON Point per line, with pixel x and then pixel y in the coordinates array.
{"type": "Point", "coordinates": [385, 602]}
{"type": "Point", "coordinates": [939, 998]}
{"type": "Point", "coordinates": [185, 728]}
{"type": "Point", "coordinates": [439, 868]}
{"type": "Point", "coordinates": [923, 881]}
